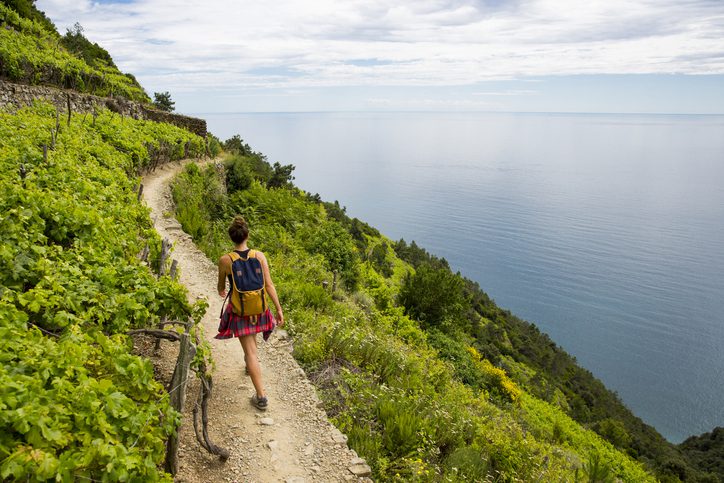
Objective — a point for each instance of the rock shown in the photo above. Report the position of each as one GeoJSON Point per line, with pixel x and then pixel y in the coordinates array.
{"type": "Point", "coordinates": [294, 479]}
{"type": "Point", "coordinates": [282, 334]}
{"type": "Point", "coordinates": [299, 372]}
{"type": "Point", "coordinates": [309, 450]}
{"type": "Point", "coordinates": [360, 470]}
{"type": "Point", "coordinates": [358, 461]}
{"type": "Point", "coordinates": [273, 445]}
{"type": "Point", "coordinates": [339, 438]}
{"type": "Point", "coordinates": [266, 422]}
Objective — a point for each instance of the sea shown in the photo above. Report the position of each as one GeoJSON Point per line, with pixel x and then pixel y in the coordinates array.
{"type": "Point", "coordinates": [604, 230]}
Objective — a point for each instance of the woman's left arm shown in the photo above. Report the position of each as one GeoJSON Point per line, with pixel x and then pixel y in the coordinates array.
{"type": "Point", "coordinates": [270, 288]}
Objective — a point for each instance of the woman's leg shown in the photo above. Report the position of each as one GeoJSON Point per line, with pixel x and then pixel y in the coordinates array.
{"type": "Point", "coordinates": [248, 343]}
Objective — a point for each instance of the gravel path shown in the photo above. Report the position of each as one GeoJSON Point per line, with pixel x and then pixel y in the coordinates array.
{"type": "Point", "coordinates": [292, 441]}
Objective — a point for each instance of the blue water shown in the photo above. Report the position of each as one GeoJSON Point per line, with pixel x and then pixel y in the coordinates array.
{"type": "Point", "coordinates": [606, 231]}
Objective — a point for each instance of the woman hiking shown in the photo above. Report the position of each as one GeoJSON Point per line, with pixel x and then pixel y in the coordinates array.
{"type": "Point", "coordinates": [247, 314]}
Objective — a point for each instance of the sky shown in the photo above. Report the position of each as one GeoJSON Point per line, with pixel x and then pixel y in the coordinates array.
{"type": "Point", "coordinates": [617, 56]}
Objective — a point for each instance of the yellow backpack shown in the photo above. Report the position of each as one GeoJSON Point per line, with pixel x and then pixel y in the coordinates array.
{"type": "Point", "coordinates": [247, 284]}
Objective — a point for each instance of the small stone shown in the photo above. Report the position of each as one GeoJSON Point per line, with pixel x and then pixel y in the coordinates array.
{"type": "Point", "coordinates": [272, 445]}
{"type": "Point", "coordinates": [360, 470]}
{"type": "Point", "coordinates": [358, 461]}
{"type": "Point", "coordinates": [294, 479]}
{"type": "Point", "coordinates": [266, 422]}
{"type": "Point", "coordinates": [282, 334]}
{"type": "Point", "coordinates": [309, 450]}
{"type": "Point", "coordinates": [299, 372]}
{"type": "Point", "coordinates": [338, 437]}
{"type": "Point", "coordinates": [316, 469]}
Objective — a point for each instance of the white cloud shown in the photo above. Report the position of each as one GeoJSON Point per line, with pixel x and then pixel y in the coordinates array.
{"type": "Point", "coordinates": [294, 44]}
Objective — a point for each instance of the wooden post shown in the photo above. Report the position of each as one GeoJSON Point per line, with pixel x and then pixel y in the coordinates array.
{"type": "Point", "coordinates": [144, 253]}
{"type": "Point", "coordinates": [177, 393]}
{"type": "Point", "coordinates": [161, 325]}
{"type": "Point", "coordinates": [67, 97]}
{"type": "Point", "coordinates": [165, 245]}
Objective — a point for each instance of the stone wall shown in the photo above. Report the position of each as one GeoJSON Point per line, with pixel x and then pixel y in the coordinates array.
{"type": "Point", "coordinates": [19, 95]}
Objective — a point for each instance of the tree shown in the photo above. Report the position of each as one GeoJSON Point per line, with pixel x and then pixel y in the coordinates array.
{"type": "Point", "coordinates": [434, 296]}
{"type": "Point", "coordinates": [237, 145]}
{"type": "Point", "coordinates": [93, 54]}
{"type": "Point", "coordinates": [162, 101]}
{"type": "Point", "coordinates": [281, 176]}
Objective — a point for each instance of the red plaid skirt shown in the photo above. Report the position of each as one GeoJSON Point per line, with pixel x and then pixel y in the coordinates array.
{"type": "Point", "coordinates": [232, 325]}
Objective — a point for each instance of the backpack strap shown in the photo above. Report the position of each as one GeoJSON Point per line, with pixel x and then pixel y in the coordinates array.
{"type": "Point", "coordinates": [233, 256]}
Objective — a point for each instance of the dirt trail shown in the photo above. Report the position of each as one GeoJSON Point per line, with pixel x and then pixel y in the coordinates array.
{"type": "Point", "coordinates": [292, 441]}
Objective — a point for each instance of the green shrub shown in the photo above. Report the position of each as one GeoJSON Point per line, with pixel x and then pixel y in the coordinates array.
{"type": "Point", "coordinates": [238, 174]}
{"type": "Point", "coordinates": [466, 464]}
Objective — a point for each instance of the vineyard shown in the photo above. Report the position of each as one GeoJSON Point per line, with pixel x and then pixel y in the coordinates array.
{"type": "Point", "coordinates": [31, 54]}
{"type": "Point", "coordinates": [75, 403]}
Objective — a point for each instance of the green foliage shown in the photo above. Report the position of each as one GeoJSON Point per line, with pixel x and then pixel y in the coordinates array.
{"type": "Point", "coordinates": [378, 255]}
{"type": "Point", "coordinates": [435, 297]}
{"type": "Point", "coordinates": [239, 175]}
{"type": "Point", "coordinates": [27, 9]}
{"type": "Point", "coordinates": [213, 145]}
{"type": "Point", "coordinates": [334, 244]}
{"type": "Point", "coordinates": [32, 54]}
{"type": "Point", "coordinates": [236, 145]}
{"type": "Point", "coordinates": [596, 471]}
{"type": "Point", "coordinates": [74, 401]}
{"type": "Point", "coordinates": [92, 53]}
{"type": "Point", "coordinates": [281, 176]}
{"type": "Point", "coordinates": [163, 102]}
{"type": "Point", "coordinates": [707, 453]}
{"type": "Point", "coordinates": [467, 464]}
{"type": "Point", "coordinates": [416, 255]}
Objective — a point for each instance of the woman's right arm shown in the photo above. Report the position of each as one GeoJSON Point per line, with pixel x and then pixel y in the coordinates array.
{"type": "Point", "coordinates": [224, 270]}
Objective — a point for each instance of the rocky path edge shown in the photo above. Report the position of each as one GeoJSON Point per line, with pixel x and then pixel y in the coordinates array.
{"type": "Point", "coordinates": [293, 441]}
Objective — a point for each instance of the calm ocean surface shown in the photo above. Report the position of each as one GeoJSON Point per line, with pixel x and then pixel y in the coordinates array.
{"type": "Point", "coordinates": [606, 231]}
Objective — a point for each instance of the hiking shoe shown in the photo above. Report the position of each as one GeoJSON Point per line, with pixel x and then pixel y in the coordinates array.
{"type": "Point", "coordinates": [260, 403]}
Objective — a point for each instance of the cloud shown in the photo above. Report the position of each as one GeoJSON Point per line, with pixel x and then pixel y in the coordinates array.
{"type": "Point", "coordinates": [291, 44]}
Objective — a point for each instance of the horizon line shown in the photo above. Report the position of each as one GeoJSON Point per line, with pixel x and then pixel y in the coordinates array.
{"type": "Point", "coordinates": [421, 111]}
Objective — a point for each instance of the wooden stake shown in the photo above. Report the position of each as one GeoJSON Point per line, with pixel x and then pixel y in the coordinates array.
{"type": "Point", "coordinates": [67, 97]}
{"type": "Point", "coordinates": [177, 393]}
{"type": "Point", "coordinates": [174, 268]}
{"type": "Point", "coordinates": [165, 245]}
